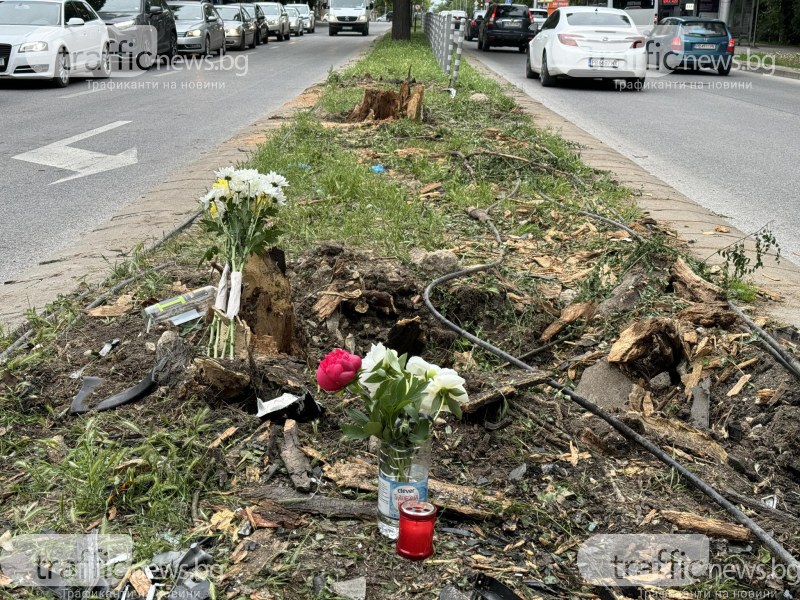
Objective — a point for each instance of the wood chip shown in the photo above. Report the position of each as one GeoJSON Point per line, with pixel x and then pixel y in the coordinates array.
{"type": "Point", "coordinates": [109, 310]}
{"type": "Point", "coordinates": [713, 527]}
{"type": "Point", "coordinates": [722, 229]}
{"type": "Point", "coordinates": [293, 458]}
{"type": "Point", "coordinates": [430, 188]}
{"type": "Point", "coordinates": [649, 518]}
{"type": "Point", "coordinates": [692, 380]}
{"type": "Point", "coordinates": [734, 391]}
{"type": "Point", "coordinates": [690, 286]}
{"type": "Point", "coordinates": [569, 314]}
{"type": "Point", "coordinates": [222, 437]}
{"type": "Point", "coordinates": [140, 583]}
{"type": "Point", "coordinates": [744, 364]}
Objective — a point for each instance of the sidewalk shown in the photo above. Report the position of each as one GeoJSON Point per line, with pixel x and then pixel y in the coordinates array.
{"type": "Point", "coordinates": [777, 70]}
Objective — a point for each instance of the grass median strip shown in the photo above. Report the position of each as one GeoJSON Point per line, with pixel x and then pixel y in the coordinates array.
{"type": "Point", "coordinates": [384, 190]}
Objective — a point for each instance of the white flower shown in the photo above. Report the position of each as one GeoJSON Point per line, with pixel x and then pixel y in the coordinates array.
{"type": "Point", "coordinates": [375, 359]}
{"type": "Point", "coordinates": [445, 382]}
{"type": "Point", "coordinates": [276, 179]}
{"type": "Point", "coordinates": [422, 369]}
{"type": "Point", "coordinates": [225, 172]}
{"type": "Point", "coordinates": [221, 208]}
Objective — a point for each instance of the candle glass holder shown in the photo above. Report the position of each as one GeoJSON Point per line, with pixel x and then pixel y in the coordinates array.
{"type": "Point", "coordinates": [415, 540]}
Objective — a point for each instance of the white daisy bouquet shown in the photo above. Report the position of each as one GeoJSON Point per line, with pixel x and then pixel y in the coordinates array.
{"type": "Point", "coordinates": [239, 209]}
{"type": "Point", "coordinates": [402, 396]}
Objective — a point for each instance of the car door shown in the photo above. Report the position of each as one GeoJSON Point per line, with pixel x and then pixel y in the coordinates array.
{"type": "Point", "coordinates": [77, 36]}
{"type": "Point", "coordinates": [540, 41]}
{"type": "Point", "coordinates": [216, 31]}
{"type": "Point", "coordinates": [97, 34]}
{"type": "Point", "coordinates": [284, 21]}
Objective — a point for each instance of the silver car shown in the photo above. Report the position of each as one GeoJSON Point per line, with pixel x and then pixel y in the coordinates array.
{"type": "Point", "coordinates": [240, 28]}
{"type": "Point", "coordinates": [199, 27]}
{"type": "Point", "coordinates": [296, 23]}
{"type": "Point", "coordinates": [310, 23]}
{"type": "Point", "coordinates": [277, 19]}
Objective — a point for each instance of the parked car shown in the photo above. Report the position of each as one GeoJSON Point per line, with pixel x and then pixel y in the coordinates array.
{"type": "Point", "coordinates": [386, 17]}
{"type": "Point", "coordinates": [693, 43]}
{"type": "Point", "coordinates": [505, 25]}
{"type": "Point", "coordinates": [240, 29]}
{"type": "Point", "coordinates": [51, 40]}
{"type": "Point", "coordinates": [262, 27]}
{"type": "Point", "coordinates": [590, 42]}
{"type": "Point", "coordinates": [472, 26]}
{"type": "Point", "coordinates": [307, 15]}
{"type": "Point", "coordinates": [296, 24]}
{"type": "Point", "coordinates": [277, 19]}
{"type": "Point", "coordinates": [124, 16]}
{"type": "Point", "coordinates": [539, 16]}
{"type": "Point", "coordinates": [199, 27]}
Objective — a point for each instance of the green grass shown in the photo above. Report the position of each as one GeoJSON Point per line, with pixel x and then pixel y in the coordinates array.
{"type": "Point", "coordinates": [741, 291]}
{"type": "Point", "coordinates": [780, 58]}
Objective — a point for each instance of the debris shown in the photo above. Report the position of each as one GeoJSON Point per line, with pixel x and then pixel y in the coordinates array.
{"type": "Point", "coordinates": [288, 406]}
{"type": "Point", "coordinates": [734, 391]}
{"type": "Point", "coordinates": [140, 582]}
{"type": "Point", "coordinates": [606, 386]}
{"type": "Point", "coordinates": [660, 382]}
{"type": "Point", "coordinates": [440, 262]}
{"type": "Point", "coordinates": [691, 380]}
{"type": "Point", "coordinates": [333, 508]}
{"type": "Point", "coordinates": [650, 346]}
{"type": "Point", "coordinates": [262, 550]}
{"type": "Point", "coordinates": [222, 437]}
{"type": "Point", "coordinates": [567, 296]}
{"type": "Point", "coordinates": [378, 169]}
{"type": "Point", "coordinates": [701, 400]}
{"type": "Point", "coordinates": [379, 105]}
{"type": "Point", "coordinates": [682, 435]}
{"type": "Point", "coordinates": [518, 473]}
{"type": "Point", "coordinates": [189, 589]}
{"type": "Point", "coordinates": [108, 347]}
{"type": "Point", "coordinates": [293, 458]}
{"type": "Point", "coordinates": [479, 97]}
{"type": "Point", "coordinates": [519, 382]}
{"type": "Point", "coordinates": [451, 593]}
{"type": "Point", "coordinates": [490, 588]}
{"type": "Point", "coordinates": [123, 305]}
{"type": "Point", "coordinates": [706, 525]}
{"type": "Point", "coordinates": [569, 314]}
{"type": "Point", "coordinates": [180, 309]}
{"type": "Point", "coordinates": [226, 383]}
{"type": "Point", "coordinates": [137, 392]}
{"type": "Point", "coordinates": [626, 295]}
{"type": "Point", "coordinates": [709, 314]}
{"type": "Point", "coordinates": [79, 405]}
{"type": "Point", "coordinates": [688, 285]}
{"type": "Point", "coordinates": [354, 589]}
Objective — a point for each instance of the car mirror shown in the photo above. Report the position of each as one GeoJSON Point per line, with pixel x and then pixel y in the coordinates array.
{"type": "Point", "coordinates": [75, 22]}
{"type": "Point", "coordinates": [156, 10]}
{"type": "Point", "coordinates": [212, 19]}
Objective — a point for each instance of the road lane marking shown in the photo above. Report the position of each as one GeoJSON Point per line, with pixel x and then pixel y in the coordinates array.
{"type": "Point", "coordinates": [84, 162]}
{"type": "Point", "coordinates": [83, 93]}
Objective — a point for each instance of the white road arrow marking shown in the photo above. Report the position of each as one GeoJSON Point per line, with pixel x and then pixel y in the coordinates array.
{"type": "Point", "coordinates": [84, 162]}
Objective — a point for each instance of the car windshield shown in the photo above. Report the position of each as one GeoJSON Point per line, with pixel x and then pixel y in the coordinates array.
{"type": "Point", "coordinates": [347, 4]}
{"type": "Point", "coordinates": [118, 6]}
{"type": "Point", "coordinates": [301, 8]}
{"type": "Point", "coordinates": [511, 11]}
{"type": "Point", "coordinates": [596, 18]}
{"type": "Point", "coordinates": [187, 12]}
{"type": "Point", "coordinates": [229, 13]}
{"type": "Point", "coordinates": [270, 9]}
{"type": "Point", "coordinates": [30, 13]}
{"type": "Point", "coordinates": [539, 14]}
{"type": "Point", "coordinates": [292, 12]}
{"type": "Point", "coordinates": [699, 29]}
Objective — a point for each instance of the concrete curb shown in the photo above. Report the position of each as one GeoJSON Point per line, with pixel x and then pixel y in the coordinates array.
{"type": "Point", "coordinates": [692, 223]}
{"type": "Point", "coordinates": [784, 72]}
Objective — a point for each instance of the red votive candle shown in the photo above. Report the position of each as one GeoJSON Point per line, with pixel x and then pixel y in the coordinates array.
{"type": "Point", "coordinates": [415, 540]}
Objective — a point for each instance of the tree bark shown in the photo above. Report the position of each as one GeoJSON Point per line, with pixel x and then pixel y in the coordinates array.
{"type": "Point", "coordinates": [401, 20]}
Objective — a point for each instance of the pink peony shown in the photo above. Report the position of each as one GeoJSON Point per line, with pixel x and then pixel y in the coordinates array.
{"type": "Point", "coordinates": [337, 370]}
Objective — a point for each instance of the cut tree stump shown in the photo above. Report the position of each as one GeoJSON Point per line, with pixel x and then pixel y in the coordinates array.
{"type": "Point", "coordinates": [380, 105]}
{"type": "Point", "coordinates": [317, 504]}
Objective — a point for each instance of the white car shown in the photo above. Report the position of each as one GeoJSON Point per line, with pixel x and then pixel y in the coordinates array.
{"type": "Point", "coordinates": [52, 39]}
{"type": "Point", "coordinates": [588, 42]}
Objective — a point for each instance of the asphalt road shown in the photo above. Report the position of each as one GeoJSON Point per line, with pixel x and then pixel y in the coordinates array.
{"type": "Point", "coordinates": [734, 150]}
{"type": "Point", "coordinates": [172, 116]}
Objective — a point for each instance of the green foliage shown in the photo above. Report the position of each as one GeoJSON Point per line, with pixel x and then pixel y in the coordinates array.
{"type": "Point", "coordinates": [737, 264]}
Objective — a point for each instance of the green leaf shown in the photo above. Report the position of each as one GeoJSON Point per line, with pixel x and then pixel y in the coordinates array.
{"type": "Point", "coordinates": [454, 406]}
{"type": "Point", "coordinates": [373, 428]}
{"type": "Point", "coordinates": [354, 432]}
{"type": "Point", "coordinates": [357, 416]}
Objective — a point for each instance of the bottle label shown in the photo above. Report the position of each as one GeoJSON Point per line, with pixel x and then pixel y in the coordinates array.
{"type": "Point", "coordinates": [391, 494]}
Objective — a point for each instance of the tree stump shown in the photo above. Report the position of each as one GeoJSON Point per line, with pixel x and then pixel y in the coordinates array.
{"type": "Point", "coordinates": [380, 105]}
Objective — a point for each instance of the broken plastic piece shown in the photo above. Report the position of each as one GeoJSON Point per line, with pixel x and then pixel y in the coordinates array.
{"type": "Point", "coordinates": [79, 405]}
{"type": "Point", "coordinates": [304, 166]}
{"type": "Point", "coordinates": [138, 391]}
{"type": "Point", "coordinates": [288, 406]}
{"type": "Point", "coordinates": [490, 588]}
{"type": "Point", "coordinates": [378, 169]}
{"type": "Point", "coordinates": [108, 347]}
{"type": "Point", "coordinates": [188, 589]}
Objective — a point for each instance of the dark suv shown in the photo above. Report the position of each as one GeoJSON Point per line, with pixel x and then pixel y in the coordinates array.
{"type": "Point", "coordinates": [505, 25]}
{"type": "Point", "coordinates": [124, 16]}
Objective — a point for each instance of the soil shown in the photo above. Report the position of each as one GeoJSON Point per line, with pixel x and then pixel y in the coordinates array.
{"type": "Point", "coordinates": [580, 478]}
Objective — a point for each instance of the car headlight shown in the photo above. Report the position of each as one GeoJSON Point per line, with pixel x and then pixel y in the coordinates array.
{"type": "Point", "coordinates": [272, 21]}
{"type": "Point", "coordinates": [331, 18]}
{"type": "Point", "coordinates": [234, 30]}
{"type": "Point", "coordinates": [194, 33]}
{"type": "Point", "coordinates": [362, 18]}
{"type": "Point", "coordinates": [33, 47]}
{"type": "Point", "coordinates": [125, 24]}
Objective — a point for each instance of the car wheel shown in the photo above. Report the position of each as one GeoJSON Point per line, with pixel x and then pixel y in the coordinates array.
{"type": "Point", "coordinates": [331, 31]}
{"type": "Point", "coordinates": [530, 73]}
{"type": "Point", "coordinates": [523, 48]}
{"type": "Point", "coordinates": [61, 71]}
{"type": "Point", "coordinates": [103, 70]}
{"type": "Point", "coordinates": [480, 43]}
{"type": "Point", "coordinates": [486, 45]}
{"type": "Point", "coordinates": [221, 49]}
{"type": "Point", "coordinates": [366, 30]}
{"type": "Point", "coordinates": [544, 76]}
{"type": "Point", "coordinates": [254, 43]}
{"type": "Point", "coordinates": [207, 48]}
{"type": "Point", "coordinates": [265, 39]}
{"type": "Point", "coordinates": [724, 69]}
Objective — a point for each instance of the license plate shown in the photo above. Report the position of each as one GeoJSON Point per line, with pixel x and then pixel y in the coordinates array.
{"type": "Point", "coordinates": [512, 25]}
{"type": "Point", "coordinates": [603, 62]}
{"type": "Point", "coordinates": [705, 46]}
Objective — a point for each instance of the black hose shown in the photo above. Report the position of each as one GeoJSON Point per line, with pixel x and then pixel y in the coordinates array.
{"type": "Point", "coordinates": [765, 538]}
{"type": "Point", "coordinates": [770, 343]}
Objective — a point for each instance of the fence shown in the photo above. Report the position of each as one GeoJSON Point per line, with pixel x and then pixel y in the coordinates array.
{"type": "Point", "coordinates": [446, 41]}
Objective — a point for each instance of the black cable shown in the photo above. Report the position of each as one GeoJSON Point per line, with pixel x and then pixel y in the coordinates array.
{"type": "Point", "coordinates": [770, 343]}
{"type": "Point", "coordinates": [765, 538]}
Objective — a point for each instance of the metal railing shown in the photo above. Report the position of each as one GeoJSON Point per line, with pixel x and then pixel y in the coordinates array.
{"type": "Point", "coordinates": [446, 41]}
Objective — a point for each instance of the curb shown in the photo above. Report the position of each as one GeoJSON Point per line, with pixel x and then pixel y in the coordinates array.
{"type": "Point", "coordinates": [691, 222]}
{"type": "Point", "coordinates": [784, 72]}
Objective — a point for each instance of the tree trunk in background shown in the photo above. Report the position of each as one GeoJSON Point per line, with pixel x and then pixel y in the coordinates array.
{"type": "Point", "coordinates": [401, 20]}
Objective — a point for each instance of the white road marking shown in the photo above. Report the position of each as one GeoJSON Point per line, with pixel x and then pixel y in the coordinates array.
{"type": "Point", "coordinates": [84, 162]}
{"type": "Point", "coordinates": [83, 93]}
